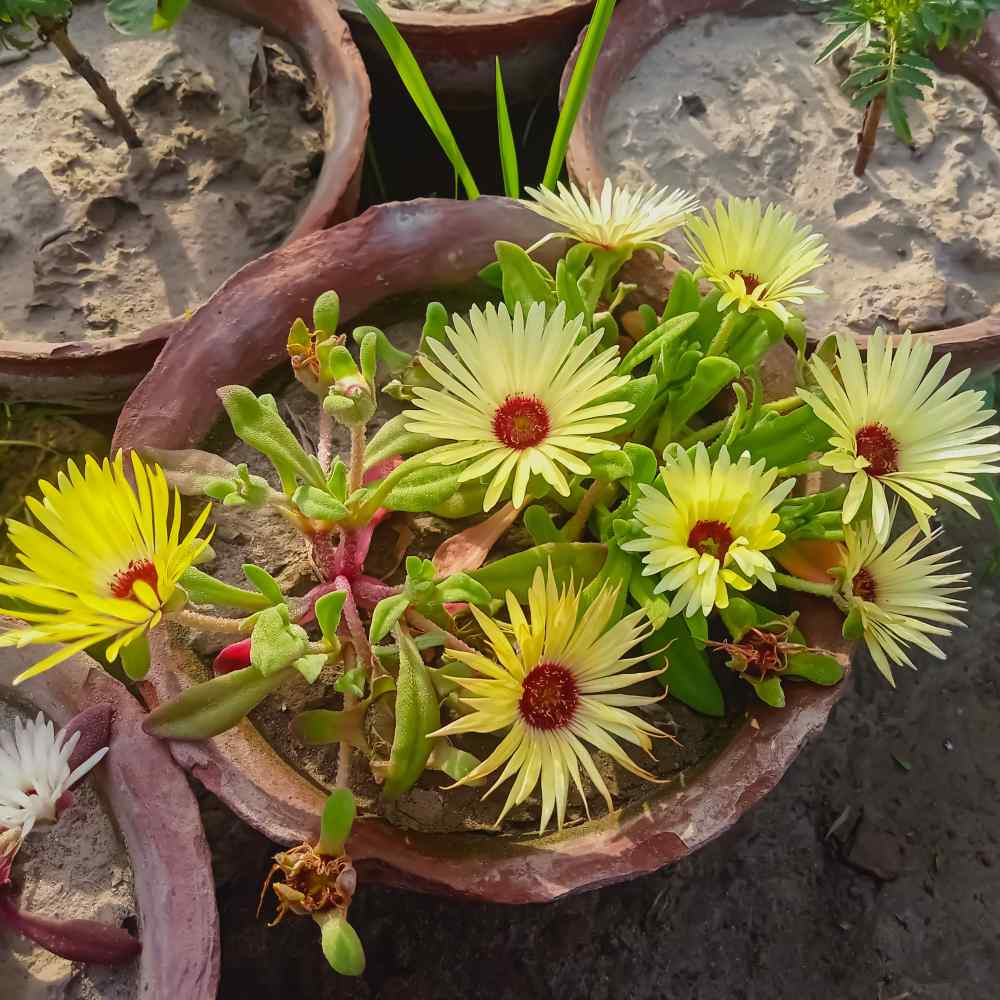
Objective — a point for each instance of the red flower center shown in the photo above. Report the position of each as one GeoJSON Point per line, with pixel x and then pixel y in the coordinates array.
{"type": "Point", "coordinates": [712, 537]}
{"type": "Point", "coordinates": [863, 585]}
{"type": "Point", "coordinates": [549, 696]}
{"type": "Point", "coordinates": [123, 584]}
{"type": "Point", "coordinates": [750, 280]}
{"type": "Point", "coordinates": [874, 442]}
{"type": "Point", "coordinates": [521, 422]}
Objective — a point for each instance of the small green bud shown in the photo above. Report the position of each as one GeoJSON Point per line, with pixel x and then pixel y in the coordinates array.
{"type": "Point", "coordinates": [326, 313]}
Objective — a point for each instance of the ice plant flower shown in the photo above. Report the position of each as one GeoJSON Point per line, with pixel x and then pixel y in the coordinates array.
{"type": "Point", "coordinates": [758, 257]}
{"type": "Point", "coordinates": [35, 773]}
{"type": "Point", "coordinates": [898, 425]}
{"type": "Point", "coordinates": [520, 396]}
{"type": "Point", "coordinates": [710, 530]}
{"type": "Point", "coordinates": [553, 689]}
{"type": "Point", "coordinates": [901, 597]}
{"type": "Point", "coordinates": [102, 563]}
{"type": "Point", "coordinates": [617, 219]}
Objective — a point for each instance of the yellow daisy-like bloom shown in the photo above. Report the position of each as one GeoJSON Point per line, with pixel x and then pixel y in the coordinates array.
{"type": "Point", "coordinates": [758, 258]}
{"type": "Point", "coordinates": [617, 219]}
{"type": "Point", "coordinates": [107, 561]}
{"type": "Point", "coordinates": [520, 396]}
{"type": "Point", "coordinates": [902, 597]}
{"type": "Point", "coordinates": [711, 529]}
{"type": "Point", "coordinates": [898, 425]}
{"type": "Point", "coordinates": [554, 689]}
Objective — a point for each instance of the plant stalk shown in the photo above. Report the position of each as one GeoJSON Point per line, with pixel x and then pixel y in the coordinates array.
{"type": "Point", "coordinates": [866, 137]}
{"type": "Point", "coordinates": [324, 450]}
{"type": "Point", "coordinates": [357, 470]}
{"type": "Point", "coordinates": [55, 31]}
{"type": "Point", "coordinates": [207, 623]}
{"type": "Point", "coordinates": [805, 586]}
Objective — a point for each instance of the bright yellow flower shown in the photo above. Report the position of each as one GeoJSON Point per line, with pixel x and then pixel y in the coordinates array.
{"type": "Point", "coordinates": [898, 425]}
{"type": "Point", "coordinates": [107, 561]}
{"type": "Point", "coordinates": [901, 596]}
{"type": "Point", "coordinates": [617, 219]}
{"type": "Point", "coordinates": [520, 396]}
{"type": "Point", "coordinates": [711, 529]}
{"type": "Point", "coordinates": [553, 690]}
{"type": "Point", "coordinates": [758, 258]}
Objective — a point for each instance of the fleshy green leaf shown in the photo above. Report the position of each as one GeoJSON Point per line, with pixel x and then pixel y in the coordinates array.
{"type": "Point", "coordinates": [688, 676]}
{"type": "Point", "coordinates": [328, 610]}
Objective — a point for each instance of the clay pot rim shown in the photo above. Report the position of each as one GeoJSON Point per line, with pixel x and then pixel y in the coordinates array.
{"type": "Point", "coordinates": [344, 155]}
{"type": "Point", "coordinates": [157, 821]}
{"type": "Point", "coordinates": [458, 22]}
{"type": "Point", "coordinates": [638, 25]}
{"type": "Point", "coordinates": [410, 247]}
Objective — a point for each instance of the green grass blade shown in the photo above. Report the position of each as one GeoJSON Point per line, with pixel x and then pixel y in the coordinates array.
{"type": "Point", "coordinates": [577, 90]}
{"type": "Point", "coordinates": [414, 81]}
{"type": "Point", "coordinates": [508, 152]}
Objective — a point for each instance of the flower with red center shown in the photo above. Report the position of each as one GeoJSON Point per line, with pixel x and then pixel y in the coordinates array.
{"type": "Point", "coordinates": [902, 597]}
{"type": "Point", "coordinates": [708, 528]}
{"type": "Point", "coordinates": [757, 257]}
{"type": "Point", "coordinates": [99, 563]}
{"type": "Point", "coordinates": [35, 773]}
{"type": "Point", "coordinates": [552, 688]}
{"type": "Point", "coordinates": [519, 397]}
{"type": "Point", "coordinates": [899, 425]}
{"type": "Point", "coordinates": [618, 219]}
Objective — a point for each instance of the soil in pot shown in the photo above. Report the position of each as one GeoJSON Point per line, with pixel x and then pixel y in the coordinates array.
{"type": "Point", "coordinates": [484, 7]}
{"type": "Point", "coordinates": [97, 240]}
{"type": "Point", "coordinates": [728, 105]}
{"type": "Point", "coordinates": [267, 540]}
{"type": "Point", "coordinates": [75, 870]}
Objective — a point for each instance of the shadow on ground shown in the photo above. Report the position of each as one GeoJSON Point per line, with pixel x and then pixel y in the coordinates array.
{"type": "Point", "coordinates": [900, 901]}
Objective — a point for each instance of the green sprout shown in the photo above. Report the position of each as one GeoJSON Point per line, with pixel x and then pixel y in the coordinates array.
{"type": "Point", "coordinates": [891, 63]}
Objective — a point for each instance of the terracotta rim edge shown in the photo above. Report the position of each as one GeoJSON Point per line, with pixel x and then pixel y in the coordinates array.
{"type": "Point", "coordinates": [639, 24]}
{"type": "Point", "coordinates": [408, 247]}
{"type": "Point", "coordinates": [157, 816]}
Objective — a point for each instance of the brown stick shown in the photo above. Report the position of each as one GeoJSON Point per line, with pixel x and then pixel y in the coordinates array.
{"type": "Point", "coordinates": [55, 31]}
{"type": "Point", "coordinates": [866, 137]}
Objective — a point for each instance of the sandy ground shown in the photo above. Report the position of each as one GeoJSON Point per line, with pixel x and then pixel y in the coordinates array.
{"type": "Point", "coordinates": [915, 243]}
{"type": "Point", "coordinates": [76, 870]}
{"type": "Point", "coordinates": [97, 240]}
{"type": "Point", "coordinates": [902, 900]}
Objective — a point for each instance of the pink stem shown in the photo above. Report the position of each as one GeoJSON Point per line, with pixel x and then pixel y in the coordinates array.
{"type": "Point", "coordinates": [417, 620]}
{"type": "Point", "coordinates": [355, 628]}
{"type": "Point", "coordinates": [368, 591]}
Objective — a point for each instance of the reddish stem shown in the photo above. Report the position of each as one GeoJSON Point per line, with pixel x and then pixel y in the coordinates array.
{"type": "Point", "coordinates": [866, 137]}
{"type": "Point", "coordinates": [368, 591]}
{"type": "Point", "coordinates": [355, 628]}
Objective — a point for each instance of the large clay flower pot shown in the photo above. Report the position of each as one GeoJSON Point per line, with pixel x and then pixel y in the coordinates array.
{"type": "Point", "coordinates": [639, 24]}
{"type": "Point", "coordinates": [393, 249]}
{"type": "Point", "coordinates": [456, 51]}
{"type": "Point", "coordinates": [99, 372]}
{"type": "Point", "coordinates": [153, 807]}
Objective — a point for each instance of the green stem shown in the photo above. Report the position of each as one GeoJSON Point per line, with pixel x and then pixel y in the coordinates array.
{"type": "Point", "coordinates": [721, 339]}
{"type": "Point", "coordinates": [417, 620]}
{"type": "Point", "coordinates": [800, 468]}
{"type": "Point", "coordinates": [357, 470]}
{"type": "Point", "coordinates": [785, 405]}
{"type": "Point", "coordinates": [805, 586]}
{"type": "Point", "coordinates": [383, 489]}
{"type": "Point", "coordinates": [573, 529]}
{"type": "Point", "coordinates": [206, 623]}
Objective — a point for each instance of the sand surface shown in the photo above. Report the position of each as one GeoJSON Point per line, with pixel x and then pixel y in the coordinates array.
{"type": "Point", "coordinates": [75, 870]}
{"type": "Point", "coordinates": [97, 240]}
{"type": "Point", "coordinates": [915, 243]}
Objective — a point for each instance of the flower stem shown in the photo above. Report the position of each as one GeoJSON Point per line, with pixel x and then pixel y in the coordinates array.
{"type": "Point", "coordinates": [598, 490]}
{"type": "Point", "coordinates": [805, 586]}
{"type": "Point", "coordinates": [866, 137]}
{"type": "Point", "coordinates": [357, 471]}
{"type": "Point", "coordinates": [721, 339]}
{"type": "Point", "coordinates": [207, 623]}
{"type": "Point", "coordinates": [355, 629]}
{"type": "Point", "coordinates": [785, 405]}
{"type": "Point", "coordinates": [417, 620]}
{"type": "Point", "coordinates": [324, 450]}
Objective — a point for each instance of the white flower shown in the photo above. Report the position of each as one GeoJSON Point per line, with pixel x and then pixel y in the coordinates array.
{"type": "Point", "coordinates": [520, 396]}
{"type": "Point", "coordinates": [902, 597]}
{"type": "Point", "coordinates": [35, 774]}
{"type": "Point", "coordinates": [899, 426]}
{"type": "Point", "coordinates": [617, 219]}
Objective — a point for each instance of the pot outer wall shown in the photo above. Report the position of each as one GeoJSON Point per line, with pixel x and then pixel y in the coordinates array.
{"type": "Point", "coordinates": [99, 374]}
{"type": "Point", "coordinates": [393, 249]}
{"type": "Point", "coordinates": [154, 809]}
{"type": "Point", "coordinates": [637, 25]}
{"type": "Point", "coordinates": [457, 52]}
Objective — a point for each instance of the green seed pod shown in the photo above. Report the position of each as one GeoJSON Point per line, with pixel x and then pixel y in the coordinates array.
{"type": "Point", "coordinates": [341, 945]}
{"type": "Point", "coordinates": [326, 313]}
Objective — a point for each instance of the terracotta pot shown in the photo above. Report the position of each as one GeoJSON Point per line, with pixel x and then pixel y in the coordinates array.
{"type": "Point", "coordinates": [153, 807]}
{"type": "Point", "coordinates": [422, 246]}
{"type": "Point", "coordinates": [457, 51]}
{"type": "Point", "coordinates": [102, 372]}
{"type": "Point", "coordinates": [639, 24]}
